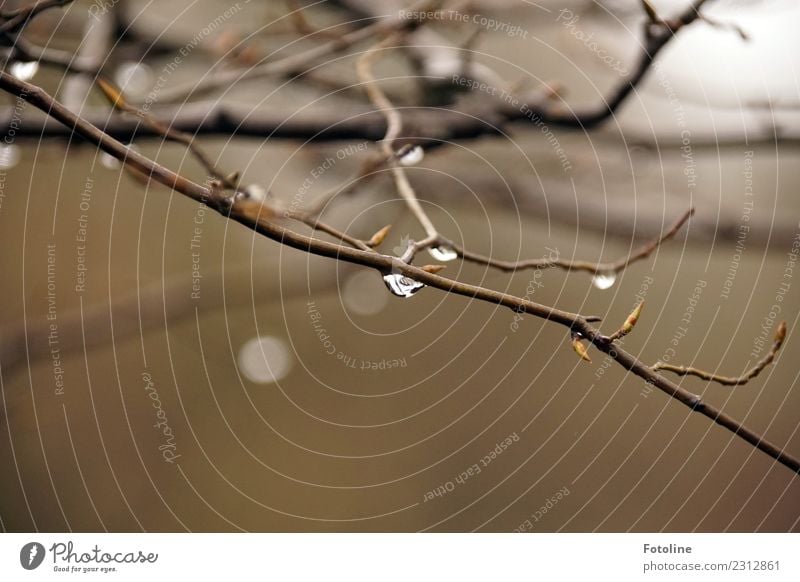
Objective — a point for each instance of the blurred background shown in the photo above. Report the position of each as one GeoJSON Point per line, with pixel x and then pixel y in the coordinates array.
{"type": "Point", "coordinates": [165, 370]}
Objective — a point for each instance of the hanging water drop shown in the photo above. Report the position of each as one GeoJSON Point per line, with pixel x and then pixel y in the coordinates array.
{"type": "Point", "coordinates": [443, 254]}
{"type": "Point", "coordinates": [604, 280]}
{"type": "Point", "coordinates": [412, 157]}
{"type": "Point", "coordinates": [24, 71]}
{"type": "Point", "coordinates": [401, 285]}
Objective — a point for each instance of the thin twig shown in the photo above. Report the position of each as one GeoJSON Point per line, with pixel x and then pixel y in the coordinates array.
{"type": "Point", "coordinates": [18, 18]}
{"type": "Point", "coordinates": [394, 125]}
{"type": "Point", "coordinates": [316, 224]}
{"type": "Point", "coordinates": [118, 100]}
{"type": "Point", "coordinates": [780, 336]}
{"type": "Point", "coordinates": [657, 36]}
{"type": "Point", "coordinates": [612, 267]}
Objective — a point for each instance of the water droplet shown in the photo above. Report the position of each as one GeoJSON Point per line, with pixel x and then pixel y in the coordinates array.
{"type": "Point", "coordinates": [363, 294]}
{"type": "Point", "coordinates": [604, 280]}
{"type": "Point", "coordinates": [412, 157]}
{"type": "Point", "coordinates": [401, 285]}
{"type": "Point", "coordinates": [24, 71]}
{"type": "Point", "coordinates": [134, 79]}
{"type": "Point", "coordinates": [9, 156]}
{"type": "Point", "coordinates": [265, 360]}
{"type": "Point", "coordinates": [109, 161]}
{"type": "Point", "coordinates": [443, 254]}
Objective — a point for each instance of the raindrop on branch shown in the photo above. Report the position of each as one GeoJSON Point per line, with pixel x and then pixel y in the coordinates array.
{"type": "Point", "coordinates": [604, 280]}
{"type": "Point", "coordinates": [401, 285]}
{"type": "Point", "coordinates": [24, 71]}
{"type": "Point", "coordinates": [443, 254]}
{"type": "Point", "coordinates": [412, 156]}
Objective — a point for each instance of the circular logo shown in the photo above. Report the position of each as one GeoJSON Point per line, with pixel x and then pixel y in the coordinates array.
{"type": "Point", "coordinates": [31, 555]}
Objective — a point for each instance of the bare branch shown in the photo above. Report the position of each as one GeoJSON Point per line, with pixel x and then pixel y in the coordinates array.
{"type": "Point", "coordinates": [594, 268]}
{"type": "Point", "coordinates": [294, 64]}
{"type": "Point", "coordinates": [16, 19]}
{"type": "Point", "coordinates": [394, 125]}
{"type": "Point", "coordinates": [260, 220]}
{"type": "Point", "coordinates": [118, 101]}
{"type": "Point", "coordinates": [780, 336]}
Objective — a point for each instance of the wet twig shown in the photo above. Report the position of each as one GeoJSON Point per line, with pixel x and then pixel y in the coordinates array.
{"type": "Point", "coordinates": [780, 336]}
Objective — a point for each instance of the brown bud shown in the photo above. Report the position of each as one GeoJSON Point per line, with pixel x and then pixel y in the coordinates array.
{"type": "Point", "coordinates": [233, 178]}
{"type": "Point", "coordinates": [379, 236]}
{"type": "Point", "coordinates": [580, 349]}
{"type": "Point", "coordinates": [112, 93]}
{"type": "Point", "coordinates": [780, 333]}
{"type": "Point", "coordinates": [433, 269]}
{"type": "Point", "coordinates": [629, 324]}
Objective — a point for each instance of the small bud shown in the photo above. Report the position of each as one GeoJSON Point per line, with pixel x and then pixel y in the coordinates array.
{"type": "Point", "coordinates": [112, 93]}
{"type": "Point", "coordinates": [378, 238]}
{"type": "Point", "coordinates": [433, 269]}
{"type": "Point", "coordinates": [580, 349]}
{"type": "Point", "coordinates": [629, 324]}
{"type": "Point", "coordinates": [233, 178]}
{"type": "Point", "coordinates": [780, 333]}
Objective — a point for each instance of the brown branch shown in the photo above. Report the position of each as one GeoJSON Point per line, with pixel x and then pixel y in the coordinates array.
{"type": "Point", "coordinates": [475, 120]}
{"type": "Point", "coordinates": [433, 237]}
{"type": "Point", "coordinates": [18, 18]}
{"type": "Point", "coordinates": [594, 268]}
{"type": "Point", "coordinates": [316, 224]}
{"type": "Point", "coordinates": [294, 64]}
{"type": "Point", "coordinates": [657, 35]}
{"type": "Point", "coordinates": [394, 125]}
{"type": "Point", "coordinates": [22, 49]}
{"type": "Point", "coordinates": [117, 99]}
{"type": "Point", "coordinates": [780, 336]}
{"type": "Point", "coordinates": [696, 404]}
{"type": "Point", "coordinates": [261, 223]}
